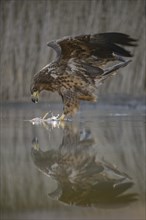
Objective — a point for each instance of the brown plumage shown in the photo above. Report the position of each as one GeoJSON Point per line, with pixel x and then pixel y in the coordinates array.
{"type": "Point", "coordinates": [80, 67]}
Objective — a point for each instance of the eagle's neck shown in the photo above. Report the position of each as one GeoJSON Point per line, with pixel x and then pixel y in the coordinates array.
{"type": "Point", "coordinates": [48, 77]}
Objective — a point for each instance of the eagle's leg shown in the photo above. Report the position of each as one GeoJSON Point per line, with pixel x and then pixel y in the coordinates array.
{"type": "Point", "coordinates": [70, 101]}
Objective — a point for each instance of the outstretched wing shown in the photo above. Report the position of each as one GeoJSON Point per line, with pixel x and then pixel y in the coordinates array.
{"type": "Point", "coordinates": [80, 62]}
{"type": "Point", "coordinates": [100, 46]}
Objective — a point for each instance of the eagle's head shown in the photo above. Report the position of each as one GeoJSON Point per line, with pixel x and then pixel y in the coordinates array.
{"type": "Point", "coordinates": [35, 90]}
{"type": "Point", "coordinates": [45, 79]}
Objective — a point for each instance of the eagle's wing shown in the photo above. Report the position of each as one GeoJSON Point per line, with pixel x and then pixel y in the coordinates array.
{"type": "Point", "coordinates": [100, 46]}
{"type": "Point", "coordinates": [80, 61]}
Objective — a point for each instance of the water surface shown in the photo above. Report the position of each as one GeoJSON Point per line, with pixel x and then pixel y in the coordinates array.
{"type": "Point", "coordinates": [92, 167]}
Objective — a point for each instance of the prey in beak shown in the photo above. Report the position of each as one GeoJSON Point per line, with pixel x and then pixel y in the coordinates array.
{"type": "Point", "coordinates": [35, 97]}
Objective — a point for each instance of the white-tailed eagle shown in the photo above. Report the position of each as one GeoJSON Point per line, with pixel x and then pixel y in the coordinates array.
{"type": "Point", "coordinates": [80, 67]}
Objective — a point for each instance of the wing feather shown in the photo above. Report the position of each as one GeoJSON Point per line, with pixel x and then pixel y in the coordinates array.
{"type": "Point", "coordinates": [99, 45]}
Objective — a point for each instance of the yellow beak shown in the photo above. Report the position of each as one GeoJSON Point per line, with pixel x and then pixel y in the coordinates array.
{"type": "Point", "coordinates": [35, 97]}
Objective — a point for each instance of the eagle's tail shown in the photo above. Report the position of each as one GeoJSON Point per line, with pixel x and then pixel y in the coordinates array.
{"type": "Point", "coordinates": [110, 71]}
{"type": "Point", "coordinates": [115, 67]}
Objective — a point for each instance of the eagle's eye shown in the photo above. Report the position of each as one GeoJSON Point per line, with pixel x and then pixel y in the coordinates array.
{"type": "Point", "coordinates": [35, 90]}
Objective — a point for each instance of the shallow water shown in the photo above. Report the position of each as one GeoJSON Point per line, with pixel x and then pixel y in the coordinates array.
{"type": "Point", "coordinates": [92, 167]}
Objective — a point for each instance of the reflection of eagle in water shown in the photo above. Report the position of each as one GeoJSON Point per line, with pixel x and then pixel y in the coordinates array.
{"type": "Point", "coordinates": [80, 67]}
{"type": "Point", "coordinates": [82, 178]}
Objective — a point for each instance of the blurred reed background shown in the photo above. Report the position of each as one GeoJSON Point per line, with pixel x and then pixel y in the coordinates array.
{"type": "Point", "coordinates": [27, 26]}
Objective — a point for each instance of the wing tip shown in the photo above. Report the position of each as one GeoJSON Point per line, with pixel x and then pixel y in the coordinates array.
{"type": "Point", "coordinates": [51, 43]}
{"type": "Point", "coordinates": [119, 38]}
{"type": "Point", "coordinates": [54, 45]}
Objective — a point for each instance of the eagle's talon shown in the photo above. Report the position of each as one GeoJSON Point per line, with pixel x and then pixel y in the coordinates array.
{"type": "Point", "coordinates": [62, 117]}
{"type": "Point", "coordinates": [54, 118]}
